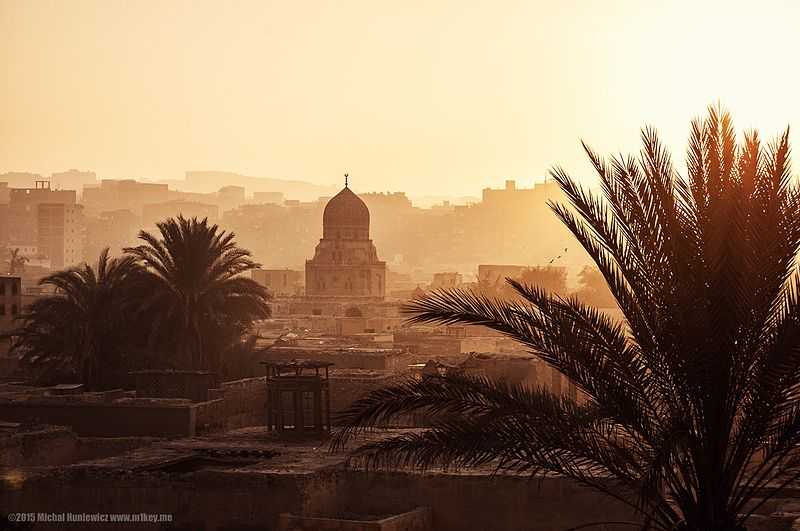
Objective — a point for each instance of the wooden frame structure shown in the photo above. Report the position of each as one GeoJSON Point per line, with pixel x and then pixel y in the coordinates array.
{"type": "Point", "coordinates": [298, 401]}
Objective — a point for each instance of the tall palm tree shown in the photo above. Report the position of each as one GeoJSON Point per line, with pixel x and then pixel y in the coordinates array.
{"type": "Point", "coordinates": [691, 404]}
{"type": "Point", "coordinates": [81, 329]}
{"type": "Point", "coordinates": [197, 303]}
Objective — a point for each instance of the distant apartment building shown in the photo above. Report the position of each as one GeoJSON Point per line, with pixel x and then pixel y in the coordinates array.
{"type": "Point", "coordinates": [378, 200]}
{"type": "Point", "coordinates": [10, 301]}
{"type": "Point", "coordinates": [280, 282]}
{"type": "Point", "coordinates": [73, 180]}
{"type": "Point", "coordinates": [268, 198]}
{"type": "Point", "coordinates": [154, 213]}
{"type": "Point", "coordinates": [230, 197]}
{"type": "Point", "coordinates": [446, 280]}
{"type": "Point", "coordinates": [125, 194]}
{"type": "Point", "coordinates": [19, 179]}
{"type": "Point", "coordinates": [115, 229]}
{"type": "Point", "coordinates": [23, 211]}
{"type": "Point", "coordinates": [60, 233]}
{"type": "Point", "coordinates": [511, 196]}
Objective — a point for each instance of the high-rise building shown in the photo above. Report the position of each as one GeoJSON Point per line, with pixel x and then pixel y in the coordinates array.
{"type": "Point", "coordinates": [60, 230]}
{"type": "Point", "coordinates": [23, 211]}
{"type": "Point", "coordinates": [123, 195]}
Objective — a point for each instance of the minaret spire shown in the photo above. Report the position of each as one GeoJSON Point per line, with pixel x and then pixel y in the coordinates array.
{"type": "Point", "coordinates": [346, 175]}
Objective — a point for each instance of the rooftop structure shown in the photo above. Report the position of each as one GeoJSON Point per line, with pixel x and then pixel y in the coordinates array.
{"type": "Point", "coordinates": [298, 400]}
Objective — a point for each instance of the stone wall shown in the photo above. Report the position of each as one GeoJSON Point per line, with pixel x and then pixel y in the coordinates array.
{"type": "Point", "coordinates": [240, 403]}
{"type": "Point", "coordinates": [57, 445]}
{"type": "Point", "coordinates": [193, 385]}
{"type": "Point", "coordinates": [348, 386]}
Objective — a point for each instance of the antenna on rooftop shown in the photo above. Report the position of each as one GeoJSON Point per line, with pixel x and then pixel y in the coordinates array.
{"type": "Point", "coordinates": [346, 175]}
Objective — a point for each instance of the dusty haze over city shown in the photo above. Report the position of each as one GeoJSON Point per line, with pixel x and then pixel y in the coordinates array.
{"type": "Point", "coordinates": [430, 98]}
{"type": "Point", "coordinates": [410, 265]}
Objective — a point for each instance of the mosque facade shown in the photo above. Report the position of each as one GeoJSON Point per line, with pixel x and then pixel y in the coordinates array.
{"type": "Point", "coordinates": [345, 262]}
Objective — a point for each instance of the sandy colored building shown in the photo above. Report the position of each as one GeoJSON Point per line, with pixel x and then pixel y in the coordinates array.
{"type": "Point", "coordinates": [280, 282]}
{"type": "Point", "coordinates": [345, 262]}
{"type": "Point", "coordinates": [60, 233]}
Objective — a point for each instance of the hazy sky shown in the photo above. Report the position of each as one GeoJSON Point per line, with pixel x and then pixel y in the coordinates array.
{"type": "Point", "coordinates": [430, 97]}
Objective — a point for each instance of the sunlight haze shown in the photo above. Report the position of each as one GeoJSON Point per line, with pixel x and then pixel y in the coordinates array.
{"type": "Point", "coordinates": [431, 98]}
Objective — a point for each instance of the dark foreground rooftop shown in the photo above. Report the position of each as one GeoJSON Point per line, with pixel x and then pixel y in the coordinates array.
{"type": "Point", "coordinates": [245, 479]}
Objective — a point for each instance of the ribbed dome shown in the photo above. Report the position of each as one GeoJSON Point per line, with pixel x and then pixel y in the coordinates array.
{"type": "Point", "coordinates": [345, 209]}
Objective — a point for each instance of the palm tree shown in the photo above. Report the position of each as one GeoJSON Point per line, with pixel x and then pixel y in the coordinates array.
{"type": "Point", "coordinates": [691, 404]}
{"type": "Point", "coordinates": [81, 330]}
{"type": "Point", "coordinates": [197, 303]}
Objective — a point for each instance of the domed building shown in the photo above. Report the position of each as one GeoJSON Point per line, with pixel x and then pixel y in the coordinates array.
{"type": "Point", "coordinates": [345, 263]}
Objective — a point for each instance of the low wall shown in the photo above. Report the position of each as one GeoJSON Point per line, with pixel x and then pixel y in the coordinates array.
{"type": "Point", "coordinates": [135, 419]}
{"type": "Point", "coordinates": [235, 404]}
{"type": "Point", "coordinates": [44, 446]}
{"type": "Point", "coordinates": [417, 520]}
{"type": "Point", "coordinates": [193, 385]}
{"type": "Point", "coordinates": [241, 403]}
{"type": "Point", "coordinates": [346, 388]}
{"type": "Point", "coordinates": [57, 445]}
{"type": "Point", "coordinates": [474, 502]}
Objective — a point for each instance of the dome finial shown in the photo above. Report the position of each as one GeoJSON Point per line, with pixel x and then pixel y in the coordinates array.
{"type": "Point", "coordinates": [346, 175]}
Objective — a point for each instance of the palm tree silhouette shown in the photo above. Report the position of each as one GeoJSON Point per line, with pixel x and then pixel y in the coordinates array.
{"type": "Point", "coordinates": [82, 329]}
{"type": "Point", "coordinates": [197, 303]}
{"type": "Point", "coordinates": [691, 404]}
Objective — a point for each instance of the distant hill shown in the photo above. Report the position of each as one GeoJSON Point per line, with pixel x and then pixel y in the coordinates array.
{"type": "Point", "coordinates": [211, 181]}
